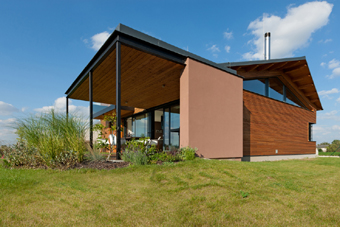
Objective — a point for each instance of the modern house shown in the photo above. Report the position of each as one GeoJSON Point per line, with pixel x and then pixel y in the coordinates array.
{"type": "Point", "coordinates": [256, 110]}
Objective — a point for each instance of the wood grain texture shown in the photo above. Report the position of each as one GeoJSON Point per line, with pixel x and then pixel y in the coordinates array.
{"type": "Point", "coordinates": [270, 125]}
{"type": "Point", "coordinates": [146, 80]}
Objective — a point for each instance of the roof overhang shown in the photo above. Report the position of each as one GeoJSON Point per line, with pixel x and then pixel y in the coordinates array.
{"type": "Point", "coordinates": [293, 72]}
{"type": "Point", "coordinates": [150, 70]}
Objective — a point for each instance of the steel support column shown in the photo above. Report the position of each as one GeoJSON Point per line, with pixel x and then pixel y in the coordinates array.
{"type": "Point", "coordinates": [118, 99]}
{"type": "Point", "coordinates": [66, 108]}
{"type": "Point", "coordinates": [91, 107]}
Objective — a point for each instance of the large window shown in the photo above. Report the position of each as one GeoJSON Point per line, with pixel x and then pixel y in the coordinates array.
{"type": "Point", "coordinates": [256, 86]}
{"type": "Point", "coordinates": [163, 123]}
{"type": "Point", "coordinates": [138, 126]}
{"type": "Point", "coordinates": [310, 131]}
{"type": "Point", "coordinates": [272, 88]}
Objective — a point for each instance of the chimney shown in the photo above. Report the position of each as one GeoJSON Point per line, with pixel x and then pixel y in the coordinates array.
{"type": "Point", "coordinates": [267, 46]}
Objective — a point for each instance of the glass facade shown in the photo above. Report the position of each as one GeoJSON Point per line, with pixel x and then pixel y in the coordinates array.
{"type": "Point", "coordinates": [256, 86]}
{"type": "Point", "coordinates": [272, 88]}
{"type": "Point", "coordinates": [163, 123]}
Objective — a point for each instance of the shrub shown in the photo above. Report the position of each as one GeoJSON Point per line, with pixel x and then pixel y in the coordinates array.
{"type": "Point", "coordinates": [136, 152]}
{"type": "Point", "coordinates": [56, 137]}
{"type": "Point", "coordinates": [135, 157]}
{"type": "Point", "coordinates": [188, 153]}
{"type": "Point", "coordinates": [165, 156]}
{"type": "Point", "coordinates": [21, 155]}
{"type": "Point", "coordinates": [94, 155]}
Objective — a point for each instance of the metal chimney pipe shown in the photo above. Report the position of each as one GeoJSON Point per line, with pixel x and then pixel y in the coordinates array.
{"type": "Point", "coordinates": [267, 46]}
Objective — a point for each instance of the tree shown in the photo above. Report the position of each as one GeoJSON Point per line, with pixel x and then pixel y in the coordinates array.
{"type": "Point", "coordinates": [334, 146]}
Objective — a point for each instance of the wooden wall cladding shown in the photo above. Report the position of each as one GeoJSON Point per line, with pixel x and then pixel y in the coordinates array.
{"type": "Point", "coordinates": [270, 125]}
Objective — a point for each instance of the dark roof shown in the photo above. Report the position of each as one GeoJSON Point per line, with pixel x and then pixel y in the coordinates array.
{"type": "Point", "coordinates": [244, 63]}
{"type": "Point", "coordinates": [322, 146]}
{"type": "Point", "coordinates": [147, 40]}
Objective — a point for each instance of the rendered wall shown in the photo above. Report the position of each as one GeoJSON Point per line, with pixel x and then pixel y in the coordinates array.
{"type": "Point", "coordinates": [211, 111]}
{"type": "Point", "coordinates": [271, 125]}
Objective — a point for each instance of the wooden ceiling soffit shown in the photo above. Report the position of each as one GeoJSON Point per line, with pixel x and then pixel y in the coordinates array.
{"type": "Point", "coordinates": [278, 65]}
{"type": "Point", "coordinates": [256, 74]}
{"type": "Point", "coordinates": [289, 65]}
{"type": "Point", "coordinates": [265, 67]}
{"type": "Point", "coordinates": [309, 94]}
{"type": "Point", "coordinates": [305, 86]}
{"type": "Point", "coordinates": [299, 78]}
{"type": "Point", "coordinates": [251, 68]}
{"type": "Point", "coordinates": [294, 88]}
{"type": "Point", "coordinates": [291, 69]}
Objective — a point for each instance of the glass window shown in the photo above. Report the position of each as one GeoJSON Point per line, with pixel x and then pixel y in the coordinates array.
{"type": "Point", "coordinates": [158, 126]}
{"type": "Point", "coordinates": [174, 139]}
{"type": "Point", "coordinates": [275, 89]}
{"type": "Point", "coordinates": [174, 117]}
{"type": "Point", "coordinates": [310, 132]}
{"type": "Point", "coordinates": [129, 130]}
{"type": "Point", "coordinates": [291, 99]}
{"type": "Point", "coordinates": [166, 128]}
{"type": "Point", "coordinates": [256, 86]}
{"type": "Point", "coordinates": [141, 125]}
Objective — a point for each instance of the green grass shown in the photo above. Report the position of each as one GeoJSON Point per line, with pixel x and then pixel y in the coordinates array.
{"type": "Point", "coordinates": [329, 153]}
{"type": "Point", "coordinates": [193, 193]}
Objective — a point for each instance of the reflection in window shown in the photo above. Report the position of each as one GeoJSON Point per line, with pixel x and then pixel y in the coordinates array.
{"type": "Point", "coordinates": [141, 125]}
{"type": "Point", "coordinates": [129, 130]}
{"type": "Point", "coordinates": [291, 99]}
{"type": "Point", "coordinates": [275, 89]}
{"type": "Point", "coordinates": [166, 139]}
{"type": "Point", "coordinates": [256, 86]}
{"type": "Point", "coordinates": [310, 130]}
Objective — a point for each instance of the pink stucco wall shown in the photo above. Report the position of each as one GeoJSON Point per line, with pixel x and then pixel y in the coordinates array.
{"type": "Point", "coordinates": [211, 103]}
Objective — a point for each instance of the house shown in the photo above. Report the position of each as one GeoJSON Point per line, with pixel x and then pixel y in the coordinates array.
{"type": "Point", "coordinates": [257, 110]}
{"type": "Point", "coordinates": [322, 147]}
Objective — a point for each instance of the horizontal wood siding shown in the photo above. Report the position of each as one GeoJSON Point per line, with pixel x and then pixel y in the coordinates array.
{"type": "Point", "coordinates": [270, 125]}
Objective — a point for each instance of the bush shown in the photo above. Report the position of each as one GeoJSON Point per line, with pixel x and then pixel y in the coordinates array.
{"type": "Point", "coordinates": [188, 153]}
{"type": "Point", "coordinates": [135, 157]}
{"type": "Point", "coordinates": [21, 155]}
{"type": "Point", "coordinates": [59, 140]}
{"type": "Point", "coordinates": [165, 156]}
{"type": "Point", "coordinates": [136, 152]}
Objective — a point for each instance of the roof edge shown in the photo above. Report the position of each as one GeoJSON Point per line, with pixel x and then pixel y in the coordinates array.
{"type": "Point", "coordinates": [244, 63]}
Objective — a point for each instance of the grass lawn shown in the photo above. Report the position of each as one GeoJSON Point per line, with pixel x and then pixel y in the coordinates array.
{"type": "Point", "coordinates": [329, 153]}
{"type": "Point", "coordinates": [194, 193]}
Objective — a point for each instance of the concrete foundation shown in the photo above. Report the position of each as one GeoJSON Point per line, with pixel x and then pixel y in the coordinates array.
{"type": "Point", "coordinates": [276, 157]}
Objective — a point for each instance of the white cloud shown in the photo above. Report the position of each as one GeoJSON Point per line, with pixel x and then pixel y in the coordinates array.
{"type": "Point", "coordinates": [214, 49]}
{"type": "Point", "coordinates": [290, 33]}
{"type": "Point", "coordinates": [328, 92]}
{"type": "Point", "coordinates": [336, 127]}
{"type": "Point", "coordinates": [325, 41]}
{"type": "Point", "coordinates": [99, 39]}
{"type": "Point", "coordinates": [227, 48]}
{"type": "Point", "coordinates": [323, 64]}
{"type": "Point", "coordinates": [338, 100]}
{"type": "Point", "coordinates": [333, 115]}
{"type": "Point", "coordinates": [228, 35]}
{"type": "Point", "coordinates": [335, 65]}
{"type": "Point", "coordinates": [7, 132]}
{"type": "Point", "coordinates": [7, 109]}
{"type": "Point", "coordinates": [60, 107]}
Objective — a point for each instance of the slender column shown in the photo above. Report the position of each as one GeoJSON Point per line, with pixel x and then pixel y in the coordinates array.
{"type": "Point", "coordinates": [67, 108]}
{"type": "Point", "coordinates": [91, 107]}
{"type": "Point", "coordinates": [118, 97]}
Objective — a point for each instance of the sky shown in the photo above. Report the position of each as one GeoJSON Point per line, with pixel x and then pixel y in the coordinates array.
{"type": "Point", "coordinates": [44, 45]}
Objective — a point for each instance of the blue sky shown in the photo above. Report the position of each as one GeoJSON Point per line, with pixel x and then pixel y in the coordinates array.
{"type": "Point", "coordinates": [44, 45]}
